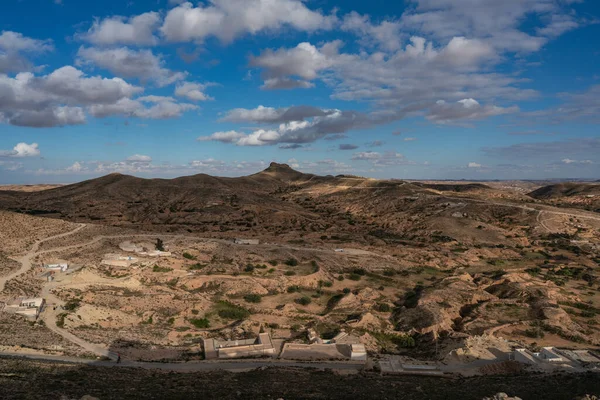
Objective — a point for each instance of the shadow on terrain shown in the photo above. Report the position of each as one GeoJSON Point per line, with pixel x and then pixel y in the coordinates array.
{"type": "Point", "coordinates": [29, 379]}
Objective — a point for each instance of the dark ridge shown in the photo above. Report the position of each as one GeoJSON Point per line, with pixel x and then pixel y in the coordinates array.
{"type": "Point", "coordinates": [565, 190]}
{"type": "Point", "coordinates": [443, 187]}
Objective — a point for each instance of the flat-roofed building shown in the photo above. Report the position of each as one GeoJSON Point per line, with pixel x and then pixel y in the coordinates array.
{"type": "Point", "coordinates": [220, 349]}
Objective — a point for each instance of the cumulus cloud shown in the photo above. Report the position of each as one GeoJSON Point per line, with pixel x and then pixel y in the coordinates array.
{"type": "Point", "coordinates": [192, 91]}
{"type": "Point", "coordinates": [304, 61]}
{"type": "Point", "coordinates": [150, 107]}
{"type": "Point", "coordinates": [22, 150]}
{"type": "Point", "coordinates": [128, 63]}
{"type": "Point", "coordinates": [386, 34]}
{"type": "Point", "coordinates": [570, 161]}
{"type": "Point", "coordinates": [14, 49]}
{"type": "Point", "coordinates": [57, 99]}
{"type": "Point", "coordinates": [137, 30]}
{"type": "Point", "coordinates": [297, 125]}
{"type": "Point", "coordinates": [473, 165]}
{"type": "Point", "coordinates": [270, 115]}
{"type": "Point", "coordinates": [229, 19]}
{"type": "Point", "coordinates": [497, 22]}
{"type": "Point", "coordinates": [139, 158]}
{"type": "Point", "coordinates": [15, 42]}
{"type": "Point", "coordinates": [466, 109]}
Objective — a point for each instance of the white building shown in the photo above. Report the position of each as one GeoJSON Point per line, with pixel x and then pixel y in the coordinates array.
{"type": "Point", "coordinates": [30, 308]}
{"type": "Point", "coordinates": [247, 241]}
{"type": "Point", "coordinates": [524, 356]}
{"type": "Point", "coordinates": [60, 267]}
{"type": "Point", "coordinates": [259, 347]}
{"type": "Point", "coordinates": [549, 354]}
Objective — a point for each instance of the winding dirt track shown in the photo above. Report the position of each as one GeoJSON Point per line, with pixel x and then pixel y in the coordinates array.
{"type": "Point", "coordinates": [25, 260]}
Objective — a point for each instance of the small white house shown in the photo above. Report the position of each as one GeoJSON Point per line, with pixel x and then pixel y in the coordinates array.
{"type": "Point", "coordinates": [247, 241]}
{"type": "Point", "coordinates": [61, 267]}
{"type": "Point", "coordinates": [548, 354]}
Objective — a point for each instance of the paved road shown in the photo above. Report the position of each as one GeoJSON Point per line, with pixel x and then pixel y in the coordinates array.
{"type": "Point", "coordinates": [194, 366]}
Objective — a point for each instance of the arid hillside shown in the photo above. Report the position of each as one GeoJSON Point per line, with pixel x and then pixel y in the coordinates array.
{"type": "Point", "coordinates": [570, 194]}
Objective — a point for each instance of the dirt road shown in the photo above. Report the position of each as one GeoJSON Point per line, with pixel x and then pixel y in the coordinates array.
{"type": "Point", "coordinates": [25, 260]}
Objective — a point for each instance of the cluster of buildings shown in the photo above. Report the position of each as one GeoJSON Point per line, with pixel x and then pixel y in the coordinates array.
{"type": "Point", "coordinates": [555, 356]}
{"type": "Point", "coordinates": [30, 308]}
{"type": "Point", "coordinates": [342, 347]}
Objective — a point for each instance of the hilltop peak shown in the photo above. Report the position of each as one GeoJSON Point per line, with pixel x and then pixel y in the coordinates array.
{"type": "Point", "coordinates": [278, 166]}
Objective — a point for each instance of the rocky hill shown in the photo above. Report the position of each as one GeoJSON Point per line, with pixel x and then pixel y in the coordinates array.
{"type": "Point", "coordinates": [571, 194]}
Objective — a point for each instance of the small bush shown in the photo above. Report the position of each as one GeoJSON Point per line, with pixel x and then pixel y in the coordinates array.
{"type": "Point", "coordinates": [292, 262]}
{"type": "Point", "coordinates": [383, 307]}
{"type": "Point", "coordinates": [293, 289]}
{"type": "Point", "coordinates": [157, 268]}
{"type": "Point", "coordinates": [200, 323]}
{"type": "Point", "coordinates": [253, 298]}
{"type": "Point", "coordinates": [273, 262]}
{"type": "Point", "coordinates": [354, 277]}
{"type": "Point", "coordinates": [196, 267]}
{"type": "Point", "coordinates": [195, 312]}
{"type": "Point", "coordinates": [231, 311]}
{"type": "Point", "coordinates": [249, 268]}
{"type": "Point", "coordinates": [289, 273]}
{"type": "Point", "coordinates": [346, 291]}
{"type": "Point", "coordinates": [189, 256]}
{"type": "Point", "coordinates": [303, 301]}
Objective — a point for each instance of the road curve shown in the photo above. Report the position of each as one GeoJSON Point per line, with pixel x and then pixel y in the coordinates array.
{"type": "Point", "coordinates": [25, 260]}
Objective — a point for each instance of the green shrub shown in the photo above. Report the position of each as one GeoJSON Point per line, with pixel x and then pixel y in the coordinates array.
{"type": "Point", "coordinates": [189, 256]}
{"type": "Point", "coordinates": [273, 262]}
{"type": "Point", "coordinates": [249, 268]}
{"type": "Point", "coordinates": [196, 267]}
{"type": "Point", "coordinates": [200, 323]}
{"type": "Point", "coordinates": [303, 301]}
{"type": "Point", "coordinates": [293, 289]}
{"type": "Point", "coordinates": [253, 298]}
{"type": "Point", "coordinates": [354, 277]}
{"type": "Point", "coordinates": [72, 305]}
{"type": "Point", "coordinates": [157, 268]}
{"type": "Point", "coordinates": [292, 262]}
{"type": "Point", "coordinates": [289, 273]}
{"type": "Point", "coordinates": [229, 310]}
{"type": "Point", "coordinates": [383, 307]}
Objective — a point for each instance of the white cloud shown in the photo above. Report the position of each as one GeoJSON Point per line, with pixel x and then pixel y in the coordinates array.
{"type": "Point", "coordinates": [386, 34]}
{"type": "Point", "coordinates": [12, 47]}
{"type": "Point", "coordinates": [22, 150]}
{"type": "Point", "coordinates": [192, 91]}
{"type": "Point", "coordinates": [138, 30]}
{"type": "Point", "coordinates": [128, 63]}
{"type": "Point", "coordinates": [367, 155]}
{"type": "Point", "coordinates": [14, 42]}
{"type": "Point", "coordinates": [304, 61]}
{"type": "Point", "coordinates": [466, 109]}
{"type": "Point", "coordinates": [296, 125]}
{"type": "Point", "coordinates": [409, 139]}
{"type": "Point", "coordinates": [57, 99]}
{"type": "Point", "coordinates": [139, 158]}
{"type": "Point", "coordinates": [76, 167]}
{"type": "Point", "coordinates": [229, 19]}
{"type": "Point", "coordinates": [161, 108]}
{"type": "Point", "coordinates": [474, 165]}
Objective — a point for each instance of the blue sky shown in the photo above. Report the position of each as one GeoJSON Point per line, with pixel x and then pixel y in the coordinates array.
{"type": "Point", "coordinates": [422, 89]}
